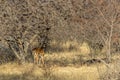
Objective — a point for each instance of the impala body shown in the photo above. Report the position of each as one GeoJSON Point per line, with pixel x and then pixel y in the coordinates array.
{"type": "Point", "coordinates": [38, 54]}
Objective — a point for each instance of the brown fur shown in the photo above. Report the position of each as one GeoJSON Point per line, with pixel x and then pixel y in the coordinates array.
{"type": "Point", "coordinates": [38, 54]}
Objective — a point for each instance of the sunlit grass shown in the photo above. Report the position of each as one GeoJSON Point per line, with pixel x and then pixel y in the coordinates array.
{"type": "Point", "coordinates": [58, 66]}
{"type": "Point", "coordinates": [57, 72]}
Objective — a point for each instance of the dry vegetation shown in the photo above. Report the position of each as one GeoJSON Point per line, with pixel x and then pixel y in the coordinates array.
{"type": "Point", "coordinates": [29, 71]}
{"type": "Point", "coordinates": [81, 39]}
{"type": "Point", "coordinates": [72, 65]}
{"type": "Point", "coordinates": [12, 71]}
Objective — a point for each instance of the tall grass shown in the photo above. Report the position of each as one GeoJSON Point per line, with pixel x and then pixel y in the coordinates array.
{"type": "Point", "coordinates": [13, 71]}
{"type": "Point", "coordinates": [76, 64]}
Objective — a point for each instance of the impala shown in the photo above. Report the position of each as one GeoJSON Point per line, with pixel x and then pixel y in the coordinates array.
{"type": "Point", "coordinates": [38, 54]}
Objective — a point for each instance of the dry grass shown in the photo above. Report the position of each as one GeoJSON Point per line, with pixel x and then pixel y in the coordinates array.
{"type": "Point", "coordinates": [61, 66]}
{"type": "Point", "coordinates": [81, 73]}
{"type": "Point", "coordinates": [13, 71]}
{"type": "Point", "coordinates": [70, 46]}
{"type": "Point", "coordinates": [78, 54]}
{"type": "Point", "coordinates": [64, 59]}
{"type": "Point", "coordinates": [28, 71]}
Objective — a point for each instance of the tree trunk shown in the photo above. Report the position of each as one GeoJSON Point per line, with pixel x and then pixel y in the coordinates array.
{"type": "Point", "coordinates": [109, 45]}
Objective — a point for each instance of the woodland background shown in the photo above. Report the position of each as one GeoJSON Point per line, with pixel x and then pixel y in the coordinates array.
{"type": "Point", "coordinates": [73, 33]}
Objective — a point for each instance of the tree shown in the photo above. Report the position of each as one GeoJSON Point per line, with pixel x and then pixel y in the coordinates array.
{"type": "Point", "coordinates": [22, 25]}
{"type": "Point", "coordinates": [99, 21]}
{"type": "Point", "coordinates": [109, 16]}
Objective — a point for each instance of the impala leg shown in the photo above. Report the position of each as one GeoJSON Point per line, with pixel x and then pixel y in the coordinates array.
{"type": "Point", "coordinates": [35, 60]}
{"type": "Point", "coordinates": [34, 57]}
{"type": "Point", "coordinates": [39, 59]}
{"type": "Point", "coordinates": [42, 60]}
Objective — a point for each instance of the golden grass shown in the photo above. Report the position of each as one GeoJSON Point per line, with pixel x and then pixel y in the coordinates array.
{"type": "Point", "coordinates": [81, 73]}
{"type": "Point", "coordinates": [28, 71]}
{"type": "Point", "coordinates": [71, 46]}
{"type": "Point", "coordinates": [57, 73]}
{"type": "Point", "coordinates": [14, 68]}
